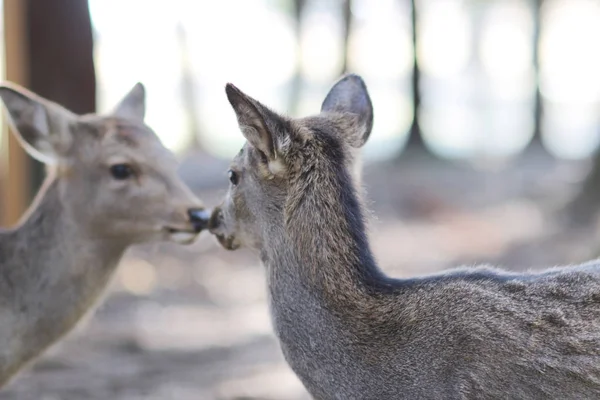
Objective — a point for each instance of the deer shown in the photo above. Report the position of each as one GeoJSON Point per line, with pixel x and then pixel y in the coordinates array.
{"type": "Point", "coordinates": [349, 331]}
{"type": "Point", "coordinates": [110, 183]}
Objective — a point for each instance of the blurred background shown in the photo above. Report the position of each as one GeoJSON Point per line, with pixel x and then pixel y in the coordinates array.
{"type": "Point", "coordinates": [484, 149]}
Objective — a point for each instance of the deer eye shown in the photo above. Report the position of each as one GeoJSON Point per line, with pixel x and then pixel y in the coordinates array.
{"type": "Point", "coordinates": [233, 177]}
{"type": "Point", "coordinates": [121, 171]}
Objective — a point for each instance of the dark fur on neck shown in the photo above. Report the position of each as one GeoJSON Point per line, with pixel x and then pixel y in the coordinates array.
{"type": "Point", "coordinates": [322, 195]}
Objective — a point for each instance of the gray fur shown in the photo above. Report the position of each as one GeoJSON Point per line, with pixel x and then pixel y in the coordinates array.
{"type": "Point", "coordinates": [56, 263]}
{"type": "Point", "coordinates": [349, 332]}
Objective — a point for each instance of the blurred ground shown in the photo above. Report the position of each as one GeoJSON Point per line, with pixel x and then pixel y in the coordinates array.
{"type": "Point", "coordinates": [192, 323]}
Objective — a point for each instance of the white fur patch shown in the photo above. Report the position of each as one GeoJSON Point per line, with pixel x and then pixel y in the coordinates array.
{"type": "Point", "coordinates": [183, 237]}
{"type": "Point", "coordinates": [276, 167]}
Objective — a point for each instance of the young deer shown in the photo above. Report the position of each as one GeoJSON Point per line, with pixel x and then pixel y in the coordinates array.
{"type": "Point", "coordinates": [350, 332]}
{"type": "Point", "coordinates": [110, 184]}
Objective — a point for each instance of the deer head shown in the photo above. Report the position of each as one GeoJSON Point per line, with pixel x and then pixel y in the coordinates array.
{"type": "Point", "coordinates": [115, 177]}
{"type": "Point", "coordinates": [268, 176]}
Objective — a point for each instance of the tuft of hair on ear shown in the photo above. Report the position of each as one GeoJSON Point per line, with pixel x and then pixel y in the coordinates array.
{"type": "Point", "coordinates": [277, 167]}
{"type": "Point", "coordinates": [251, 121]}
{"type": "Point", "coordinates": [133, 104]}
{"type": "Point", "coordinates": [264, 129]}
{"type": "Point", "coordinates": [349, 95]}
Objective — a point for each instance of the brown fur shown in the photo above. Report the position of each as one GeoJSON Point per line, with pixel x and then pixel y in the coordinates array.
{"type": "Point", "coordinates": [56, 263]}
{"type": "Point", "coordinates": [350, 332]}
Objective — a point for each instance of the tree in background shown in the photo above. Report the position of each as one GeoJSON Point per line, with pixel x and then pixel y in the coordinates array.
{"type": "Point", "coordinates": [415, 139]}
{"type": "Point", "coordinates": [536, 141]}
{"type": "Point", "coordinates": [296, 85]}
{"type": "Point", "coordinates": [49, 49]}
{"type": "Point", "coordinates": [59, 42]}
{"type": "Point", "coordinates": [298, 9]}
{"type": "Point", "coordinates": [346, 31]}
{"type": "Point", "coordinates": [188, 89]}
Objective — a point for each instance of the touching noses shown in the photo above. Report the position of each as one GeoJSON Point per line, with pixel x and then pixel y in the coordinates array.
{"type": "Point", "coordinates": [215, 220]}
{"type": "Point", "coordinates": [199, 218]}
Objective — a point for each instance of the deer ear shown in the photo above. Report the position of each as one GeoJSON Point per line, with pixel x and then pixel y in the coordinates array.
{"type": "Point", "coordinates": [349, 95]}
{"type": "Point", "coordinates": [133, 105]}
{"type": "Point", "coordinates": [260, 126]}
{"type": "Point", "coordinates": [43, 127]}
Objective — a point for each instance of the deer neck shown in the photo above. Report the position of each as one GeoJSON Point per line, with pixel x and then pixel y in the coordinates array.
{"type": "Point", "coordinates": [323, 248]}
{"type": "Point", "coordinates": [51, 273]}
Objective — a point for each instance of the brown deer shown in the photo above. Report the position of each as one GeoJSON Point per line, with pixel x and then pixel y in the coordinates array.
{"type": "Point", "coordinates": [350, 332]}
{"type": "Point", "coordinates": [110, 184]}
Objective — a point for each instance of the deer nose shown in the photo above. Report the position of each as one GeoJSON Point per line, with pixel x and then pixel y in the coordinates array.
{"type": "Point", "coordinates": [199, 217]}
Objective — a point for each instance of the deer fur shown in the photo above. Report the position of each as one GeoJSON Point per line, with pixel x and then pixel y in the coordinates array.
{"type": "Point", "coordinates": [350, 332]}
{"type": "Point", "coordinates": [57, 261]}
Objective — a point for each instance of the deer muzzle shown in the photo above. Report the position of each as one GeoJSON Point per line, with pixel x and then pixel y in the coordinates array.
{"type": "Point", "coordinates": [199, 218]}
{"type": "Point", "coordinates": [216, 226]}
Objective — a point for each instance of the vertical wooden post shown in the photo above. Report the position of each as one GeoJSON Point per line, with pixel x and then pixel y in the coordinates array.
{"type": "Point", "coordinates": [61, 59]}
{"type": "Point", "coordinates": [49, 49]}
{"type": "Point", "coordinates": [14, 182]}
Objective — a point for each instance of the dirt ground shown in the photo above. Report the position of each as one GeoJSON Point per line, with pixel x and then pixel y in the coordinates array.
{"type": "Point", "coordinates": [191, 322]}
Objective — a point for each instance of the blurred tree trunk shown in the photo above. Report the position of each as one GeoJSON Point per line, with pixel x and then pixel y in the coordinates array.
{"type": "Point", "coordinates": [14, 162]}
{"type": "Point", "coordinates": [188, 87]}
{"type": "Point", "coordinates": [297, 80]}
{"type": "Point", "coordinates": [346, 31]}
{"type": "Point", "coordinates": [536, 140]}
{"type": "Point", "coordinates": [60, 53]}
{"type": "Point", "coordinates": [49, 50]}
{"type": "Point", "coordinates": [296, 85]}
{"type": "Point", "coordinates": [415, 139]}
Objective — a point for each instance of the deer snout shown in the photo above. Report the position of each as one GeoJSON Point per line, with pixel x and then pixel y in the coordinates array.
{"type": "Point", "coordinates": [199, 217]}
{"type": "Point", "coordinates": [217, 227]}
{"type": "Point", "coordinates": [216, 221]}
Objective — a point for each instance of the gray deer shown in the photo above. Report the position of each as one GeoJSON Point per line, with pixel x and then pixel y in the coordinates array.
{"type": "Point", "coordinates": [350, 332]}
{"type": "Point", "coordinates": [110, 184]}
